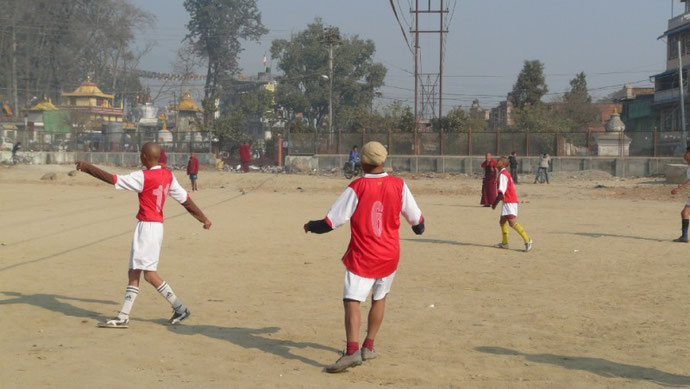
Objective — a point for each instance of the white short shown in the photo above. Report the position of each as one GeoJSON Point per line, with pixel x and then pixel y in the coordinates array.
{"type": "Point", "coordinates": [509, 209]}
{"type": "Point", "coordinates": [358, 288]}
{"type": "Point", "coordinates": [146, 246]}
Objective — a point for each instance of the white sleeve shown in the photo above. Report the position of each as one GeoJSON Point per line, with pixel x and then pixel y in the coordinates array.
{"type": "Point", "coordinates": [503, 184]}
{"type": "Point", "coordinates": [410, 210]}
{"type": "Point", "coordinates": [177, 192]}
{"type": "Point", "coordinates": [344, 207]}
{"type": "Point", "coordinates": [687, 173]}
{"type": "Point", "coordinates": [133, 181]}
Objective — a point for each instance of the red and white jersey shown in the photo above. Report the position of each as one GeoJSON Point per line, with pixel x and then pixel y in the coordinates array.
{"type": "Point", "coordinates": [152, 185]}
{"type": "Point", "coordinates": [506, 186]}
{"type": "Point", "coordinates": [373, 205]}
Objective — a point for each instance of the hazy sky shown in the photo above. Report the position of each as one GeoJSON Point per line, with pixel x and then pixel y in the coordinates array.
{"type": "Point", "coordinates": [613, 41]}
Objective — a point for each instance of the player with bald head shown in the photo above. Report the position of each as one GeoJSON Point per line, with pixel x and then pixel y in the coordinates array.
{"type": "Point", "coordinates": [509, 211]}
{"type": "Point", "coordinates": [152, 184]}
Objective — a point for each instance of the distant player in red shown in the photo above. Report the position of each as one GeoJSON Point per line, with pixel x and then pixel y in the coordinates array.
{"type": "Point", "coordinates": [245, 157]}
{"type": "Point", "coordinates": [163, 159]}
{"type": "Point", "coordinates": [509, 211]}
{"type": "Point", "coordinates": [193, 170]}
{"type": "Point", "coordinates": [152, 184]}
{"type": "Point", "coordinates": [489, 181]}
{"type": "Point", "coordinates": [373, 205]}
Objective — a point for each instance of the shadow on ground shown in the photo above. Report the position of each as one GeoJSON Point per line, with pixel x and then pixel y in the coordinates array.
{"type": "Point", "coordinates": [598, 366]}
{"type": "Point", "coordinates": [605, 235]}
{"type": "Point", "coordinates": [253, 338]}
{"type": "Point", "coordinates": [448, 242]}
{"type": "Point", "coordinates": [55, 303]}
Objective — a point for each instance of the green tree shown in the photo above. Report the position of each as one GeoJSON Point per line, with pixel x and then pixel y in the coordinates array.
{"type": "Point", "coordinates": [577, 105]}
{"type": "Point", "coordinates": [304, 86]}
{"type": "Point", "coordinates": [530, 86]}
{"type": "Point", "coordinates": [541, 118]}
{"type": "Point", "coordinates": [456, 120]}
{"type": "Point", "coordinates": [216, 28]}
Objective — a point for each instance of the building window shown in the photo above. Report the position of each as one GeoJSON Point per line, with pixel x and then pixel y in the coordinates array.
{"type": "Point", "coordinates": [673, 47]}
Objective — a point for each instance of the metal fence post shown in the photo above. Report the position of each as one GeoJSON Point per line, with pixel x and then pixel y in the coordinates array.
{"type": "Point", "coordinates": [390, 142]}
{"type": "Point", "coordinates": [526, 144]}
{"type": "Point", "coordinates": [654, 140]}
{"type": "Point", "coordinates": [364, 136]}
{"type": "Point", "coordinates": [469, 142]}
{"type": "Point", "coordinates": [442, 144]}
{"type": "Point", "coordinates": [498, 142]}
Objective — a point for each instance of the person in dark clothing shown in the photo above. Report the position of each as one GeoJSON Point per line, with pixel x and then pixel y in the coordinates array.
{"type": "Point", "coordinates": [512, 160]}
{"type": "Point", "coordinates": [489, 189]}
{"type": "Point", "coordinates": [16, 148]}
{"type": "Point", "coordinates": [193, 170]}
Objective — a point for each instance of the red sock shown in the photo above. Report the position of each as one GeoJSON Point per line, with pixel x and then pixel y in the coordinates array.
{"type": "Point", "coordinates": [352, 347]}
{"type": "Point", "coordinates": [369, 343]}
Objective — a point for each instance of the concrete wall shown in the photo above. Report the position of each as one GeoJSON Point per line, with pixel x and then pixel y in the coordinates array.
{"type": "Point", "coordinates": [622, 167]}
{"type": "Point", "coordinates": [116, 159]}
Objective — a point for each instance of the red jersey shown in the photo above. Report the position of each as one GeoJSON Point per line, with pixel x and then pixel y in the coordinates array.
{"type": "Point", "coordinates": [193, 166]}
{"type": "Point", "coordinates": [373, 205]}
{"type": "Point", "coordinates": [152, 185]}
{"type": "Point", "coordinates": [506, 186]}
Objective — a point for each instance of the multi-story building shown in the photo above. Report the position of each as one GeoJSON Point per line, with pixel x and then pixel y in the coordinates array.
{"type": "Point", "coordinates": [666, 84]}
{"type": "Point", "coordinates": [501, 117]}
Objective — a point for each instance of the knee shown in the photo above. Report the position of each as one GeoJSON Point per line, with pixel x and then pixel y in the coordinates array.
{"type": "Point", "coordinates": [149, 276]}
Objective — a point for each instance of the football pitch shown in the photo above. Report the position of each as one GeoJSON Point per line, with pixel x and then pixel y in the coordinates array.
{"type": "Point", "coordinates": [603, 300]}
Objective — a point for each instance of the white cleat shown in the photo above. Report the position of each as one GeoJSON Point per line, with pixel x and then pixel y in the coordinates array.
{"type": "Point", "coordinates": [528, 246]}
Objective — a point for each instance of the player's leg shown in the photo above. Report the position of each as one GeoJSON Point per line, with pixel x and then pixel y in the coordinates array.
{"type": "Point", "coordinates": [131, 293]}
{"type": "Point", "coordinates": [381, 289]}
{"type": "Point", "coordinates": [503, 222]}
{"type": "Point", "coordinates": [685, 219]}
{"type": "Point", "coordinates": [546, 174]}
{"type": "Point", "coordinates": [355, 290]}
{"type": "Point", "coordinates": [521, 231]}
{"type": "Point", "coordinates": [353, 320]}
{"type": "Point", "coordinates": [180, 311]}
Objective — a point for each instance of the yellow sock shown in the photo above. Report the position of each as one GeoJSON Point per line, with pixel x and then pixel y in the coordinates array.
{"type": "Point", "coordinates": [521, 231]}
{"type": "Point", "coordinates": [504, 231]}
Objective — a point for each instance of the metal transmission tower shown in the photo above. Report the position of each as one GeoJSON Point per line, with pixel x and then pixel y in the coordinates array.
{"type": "Point", "coordinates": [428, 86]}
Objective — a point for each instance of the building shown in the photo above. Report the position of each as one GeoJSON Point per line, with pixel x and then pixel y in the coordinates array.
{"type": "Point", "coordinates": [666, 84]}
{"type": "Point", "coordinates": [637, 112]}
{"type": "Point", "coordinates": [95, 106]}
{"type": "Point", "coordinates": [479, 113]}
{"type": "Point", "coordinates": [501, 117]}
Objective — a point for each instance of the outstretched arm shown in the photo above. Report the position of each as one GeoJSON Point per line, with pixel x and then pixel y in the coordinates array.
{"type": "Point", "coordinates": [410, 210]}
{"type": "Point", "coordinates": [96, 172]}
{"type": "Point", "coordinates": [193, 210]}
{"type": "Point", "coordinates": [341, 211]}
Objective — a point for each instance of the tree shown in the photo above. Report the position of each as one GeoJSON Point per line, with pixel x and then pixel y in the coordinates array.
{"type": "Point", "coordinates": [216, 28]}
{"type": "Point", "coordinates": [51, 46]}
{"type": "Point", "coordinates": [577, 105]}
{"type": "Point", "coordinates": [304, 86]}
{"type": "Point", "coordinates": [541, 118]}
{"type": "Point", "coordinates": [530, 86]}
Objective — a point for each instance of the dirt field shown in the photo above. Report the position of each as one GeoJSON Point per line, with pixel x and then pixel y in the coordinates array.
{"type": "Point", "coordinates": [602, 301]}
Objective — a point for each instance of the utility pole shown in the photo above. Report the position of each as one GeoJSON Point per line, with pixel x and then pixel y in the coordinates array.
{"type": "Point", "coordinates": [684, 139]}
{"type": "Point", "coordinates": [430, 92]}
{"type": "Point", "coordinates": [331, 38]}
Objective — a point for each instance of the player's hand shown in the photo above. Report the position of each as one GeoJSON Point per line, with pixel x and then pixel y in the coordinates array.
{"type": "Point", "coordinates": [493, 206]}
{"type": "Point", "coordinates": [207, 224]}
{"type": "Point", "coordinates": [81, 165]}
{"type": "Point", "coordinates": [306, 228]}
{"type": "Point", "coordinates": [675, 191]}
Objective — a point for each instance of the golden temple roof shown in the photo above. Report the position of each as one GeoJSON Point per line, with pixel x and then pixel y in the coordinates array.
{"type": "Point", "coordinates": [45, 105]}
{"type": "Point", "coordinates": [88, 89]}
{"type": "Point", "coordinates": [187, 104]}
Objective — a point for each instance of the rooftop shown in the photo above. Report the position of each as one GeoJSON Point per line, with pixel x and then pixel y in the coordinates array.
{"type": "Point", "coordinates": [88, 89]}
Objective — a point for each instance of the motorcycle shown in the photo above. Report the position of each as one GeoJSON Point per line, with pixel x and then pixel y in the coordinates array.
{"type": "Point", "coordinates": [351, 169]}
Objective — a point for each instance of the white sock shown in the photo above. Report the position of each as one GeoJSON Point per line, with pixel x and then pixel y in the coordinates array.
{"type": "Point", "coordinates": [166, 291]}
{"type": "Point", "coordinates": [130, 295]}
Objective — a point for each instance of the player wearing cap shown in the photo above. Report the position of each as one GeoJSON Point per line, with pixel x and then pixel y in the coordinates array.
{"type": "Point", "coordinates": [373, 205]}
{"type": "Point", "coordinates": [152, 184]}
{"type": "Point", "coordinates": [509, 211]}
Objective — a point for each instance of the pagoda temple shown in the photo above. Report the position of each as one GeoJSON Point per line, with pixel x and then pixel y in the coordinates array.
{"type": "Point", "coordinates": [91, 101]}
{"type": "Point", "coordinates": [187, 114]}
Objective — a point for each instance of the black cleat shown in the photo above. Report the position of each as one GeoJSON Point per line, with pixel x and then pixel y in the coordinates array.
{"type": "Point", "coordinates": [179, 316]}
{"type": "Point", "coordinates": [682, 239]}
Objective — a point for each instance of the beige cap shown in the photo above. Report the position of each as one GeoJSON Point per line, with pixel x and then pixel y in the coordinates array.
{"type": "Point", "coordinates": [373, 153]}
